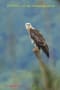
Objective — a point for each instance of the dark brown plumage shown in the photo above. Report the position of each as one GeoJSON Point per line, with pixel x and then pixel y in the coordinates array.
{"type": "Point", "coordinates": [39, 40]}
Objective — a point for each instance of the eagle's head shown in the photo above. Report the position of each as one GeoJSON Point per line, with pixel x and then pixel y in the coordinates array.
{"type": "Point", "coordinates": [28, 26]}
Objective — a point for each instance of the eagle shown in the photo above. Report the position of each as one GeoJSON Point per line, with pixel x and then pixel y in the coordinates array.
{"type": "Point", "coordinates": [37, 38]}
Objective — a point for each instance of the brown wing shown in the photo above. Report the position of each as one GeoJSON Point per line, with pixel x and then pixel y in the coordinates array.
{"type": "Point", "coordinates": [39, 40]}
{"type": "Point", "coordinates": [37, 37]}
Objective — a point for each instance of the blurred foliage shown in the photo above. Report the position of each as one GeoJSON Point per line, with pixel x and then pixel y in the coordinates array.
{"type": "Point", "coordinates": [53, 79]}
{"type": "Point", "coordinates": [37, 86]}
{"type": "Point", "coordinates": [36, 80]}
{"type": "Point", "coordinates": [58, 1]}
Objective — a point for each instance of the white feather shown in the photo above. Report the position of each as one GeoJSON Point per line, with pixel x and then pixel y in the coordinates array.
{"type": "Point", "coordinates": [33, 42]}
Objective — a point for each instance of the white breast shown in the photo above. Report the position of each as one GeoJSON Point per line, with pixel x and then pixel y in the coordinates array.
{"type": "Point", "coordinates": [32, 41]}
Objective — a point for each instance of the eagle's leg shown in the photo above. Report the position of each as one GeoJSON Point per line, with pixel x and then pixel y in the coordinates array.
{"type": "Point", "coordinates": [36, 49]}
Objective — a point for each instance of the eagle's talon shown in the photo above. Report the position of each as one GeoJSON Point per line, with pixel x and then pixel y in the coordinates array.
{"type": "Point", "coordinates": [35, 49]}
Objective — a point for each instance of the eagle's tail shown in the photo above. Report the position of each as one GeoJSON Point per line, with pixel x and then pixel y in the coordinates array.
{"type": "Point", "coordinates": [46, 50]}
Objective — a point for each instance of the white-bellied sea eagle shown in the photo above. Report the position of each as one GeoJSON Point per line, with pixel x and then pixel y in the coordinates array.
{"type": "Point", "coordinates": [37, 38]}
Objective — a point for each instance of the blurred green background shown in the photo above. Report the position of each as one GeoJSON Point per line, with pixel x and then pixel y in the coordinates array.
{"type": "Point", "coordinates": [17, 60]}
